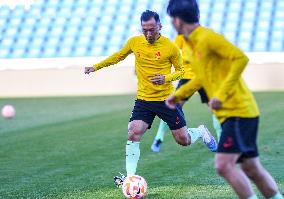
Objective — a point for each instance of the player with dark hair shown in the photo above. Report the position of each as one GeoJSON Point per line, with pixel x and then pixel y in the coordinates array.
{"type": "Point", "coordinates": [218, 66]}
{"type": "Point", "coordinates": [154, 57]}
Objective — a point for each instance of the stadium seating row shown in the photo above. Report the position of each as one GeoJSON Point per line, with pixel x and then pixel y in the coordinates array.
{"type": "Point", "coordinates": [78, 28]}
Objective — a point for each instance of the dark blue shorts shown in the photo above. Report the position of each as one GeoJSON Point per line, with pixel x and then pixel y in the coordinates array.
{"type": "Point", "coordinates": [203, 96]}
{"type": "Point", "coordinates": [147, 110]}
{"type": "Point", "coordinates": [239, 136]}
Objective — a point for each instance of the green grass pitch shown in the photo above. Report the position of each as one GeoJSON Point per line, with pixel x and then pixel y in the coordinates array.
{"type": "Point", "coordinates": [71, 147]}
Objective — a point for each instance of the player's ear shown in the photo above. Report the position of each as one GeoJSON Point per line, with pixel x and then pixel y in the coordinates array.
{"type": "Point", "coordinates": [160, 26]}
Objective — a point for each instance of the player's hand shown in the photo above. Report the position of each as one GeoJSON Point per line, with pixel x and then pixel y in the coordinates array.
{"type": "Point", "coordinates": [158, 79]}
{"type": "Point", "coordinates": [215, 104]}
{"type": "Point", "coordinates": [171, 102]}
{"type": "Point", "coordinates": [89, 70]}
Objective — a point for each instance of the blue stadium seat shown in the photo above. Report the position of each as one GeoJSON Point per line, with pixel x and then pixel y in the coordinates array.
{"type": "Point", "coordinates": [230, 27]}
{"type": "Point", "coordinates": [64, 51]}
{"type": "Point", "coordinates": [277, 40]}
{"type": "Point", "coordinates": [80, 51]}
{"type": "Point", "coordinates": [251, 6]}
{"type": "Point", "coordinates": [22, 42]}
{"type": "Point", "coordinates": [7, 43]}
{"type": "Point", "coordinates": [99, 41]}
{"type": "Point", "coordinates": [235, 6]}
{"type": "Point", "coordinates": [33, 52]}
{"type": "Point", "coordinates": [278, 22]}
{"type": "Point", "coordinates": [260, 43]}
{"type": "Point", "coordinates": [157, 7]}
{"type": "Point", "coordinates": [49, 52]}
{"type": "Point", "coordinates": [4, 52]}
{"type": "Point", "coordinates": [96, 51]}
{"type": "Point", "coordinates": [18, 52]}
{"type": "Point", "coordinates": [71, 31]}
{"type": "Point", "coordinates": [11, 32]}
{"type": "Point", "coordinates": [204, 6]}
{"type": "Point", "coordinates": [2, 24]}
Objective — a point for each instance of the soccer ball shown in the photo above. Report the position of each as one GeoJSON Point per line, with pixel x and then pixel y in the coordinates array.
{"type": "Point", "coordinates": [134, 187]}
{"type": "Point", "coordinates": [8, 111]}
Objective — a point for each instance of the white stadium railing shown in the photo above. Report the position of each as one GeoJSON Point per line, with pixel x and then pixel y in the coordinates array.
{"type": "Point", "coordinates": [65, 76]}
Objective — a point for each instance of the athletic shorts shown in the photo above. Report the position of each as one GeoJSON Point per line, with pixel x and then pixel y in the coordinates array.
{"type": "Point", "coordinates": [203, 96]}
{"type": "Point", "coordinates": [239, 136]}
{"type": "Point", "coordinates": [147, 110]}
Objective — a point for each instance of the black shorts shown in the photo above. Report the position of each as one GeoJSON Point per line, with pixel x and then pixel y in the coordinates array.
{"type": "Point", "coordinates": [147, 110]}
{"type": "Point", "coordinates": [239, 136]}
{"type": "Point", "coordinates": [203, 96]}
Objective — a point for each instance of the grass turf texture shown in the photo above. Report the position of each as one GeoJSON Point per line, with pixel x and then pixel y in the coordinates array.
{"type": "Point", "coordinates": [72, 147]}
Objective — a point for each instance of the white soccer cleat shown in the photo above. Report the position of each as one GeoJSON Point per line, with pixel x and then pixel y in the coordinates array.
{"type": "Point", "coordinates": [118, 180]}
{"type": "Point", "coordinates": [208, 138]}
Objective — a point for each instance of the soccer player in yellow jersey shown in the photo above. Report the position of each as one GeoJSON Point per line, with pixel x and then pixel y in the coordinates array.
{"type": "Point", "coordinates": [188, 75]}
{"type": "Point", "coordinates": [154, 57]}
{"type": "Point", "coordinates": [218, 66]}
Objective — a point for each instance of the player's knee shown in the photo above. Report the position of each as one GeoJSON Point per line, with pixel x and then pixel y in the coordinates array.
{"type": "Point", "coordinates": [222, 167]}
{"type": "Point", "coordinates": [181, 136]}
{"type": "Point", "coordinates": [134, 133]}
{"type": "Point", "coordinates": [182, 140]}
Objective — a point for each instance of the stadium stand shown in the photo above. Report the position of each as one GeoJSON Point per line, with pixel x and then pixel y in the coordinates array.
{"type": "Point", "coordinates": [83, 28]}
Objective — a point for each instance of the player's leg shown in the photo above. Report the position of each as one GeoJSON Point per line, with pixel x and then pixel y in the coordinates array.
{"type": "Point", "coordinates": [262, 179]}
{"type": "Point", "coordinates": [250, 162]}
{"type": "Point", "coordinates": [193, 134]}
{"type": "Point", "coordinates": [163, 127]}
{"type": "Point", "coordinates": [202, 131]}
{"type": "Point", "coordinates": [225, 165]}
{"type": "Point", "coordinates": [183, 136]}
{"type": "Point", "coordinates": [232, 147]}
{"type": "Point", "coordinates": [216, 123]}
{"type": "Point", "coordinates": [159, 138]}
{"type": "Point", "coordinates": [136, 128]}
{"type": "Point", "coordinates": [141, 119]}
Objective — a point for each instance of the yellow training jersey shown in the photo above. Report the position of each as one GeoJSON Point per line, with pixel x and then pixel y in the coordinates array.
{"type": "Point", "coordinates": [150, 59]}
{"type": "Point", "coordinates": [217, 65]}
{"type": "Point", "coordinates": [180, 42]}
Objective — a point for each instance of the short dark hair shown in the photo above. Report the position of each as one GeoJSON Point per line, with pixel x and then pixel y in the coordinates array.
{"type": "Point", "coordinates": [148, 14]}
{"type": "Point", "coordinates": [187, 10]}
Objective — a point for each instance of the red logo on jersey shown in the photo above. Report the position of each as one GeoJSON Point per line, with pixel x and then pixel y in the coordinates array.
{"type": "Point", "coordinates": [229, 142]}
{"type": "Point", "coordinates": [199, 54]}
{"type": "Point", "coordinates": [158, 55]}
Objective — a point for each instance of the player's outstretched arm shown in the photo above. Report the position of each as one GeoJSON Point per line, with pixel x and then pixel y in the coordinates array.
{"type": "Point", "coordinates": [111, 60]}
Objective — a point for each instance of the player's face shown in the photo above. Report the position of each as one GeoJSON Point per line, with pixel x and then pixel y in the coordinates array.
{"type": "Point", "coordinates": [177, 24]}
{"type": "Point", "coordinates": [151, 30]}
